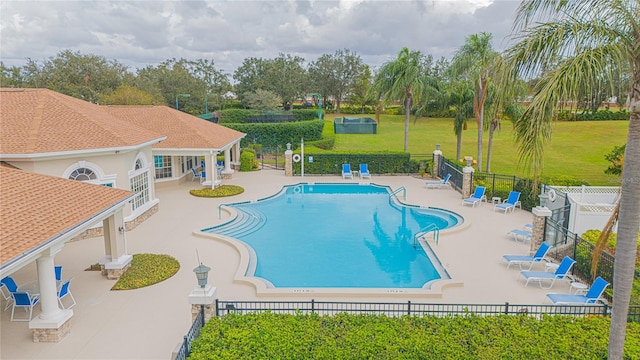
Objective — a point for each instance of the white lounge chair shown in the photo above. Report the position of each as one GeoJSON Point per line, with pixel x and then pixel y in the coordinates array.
{"type": "Point", "coordinates": [476, 198]}
{"type": "Point", "coordinates": [561, 273]}
{"type": "Point", "coordinates": [364, 172]}
{"type": "Point", "coordinates": [510, 203]}
{"type": "Point", "coordinates": [438, 184]}
{"type": "Point", "coordinates": [346, 171]}
{"type": "Point", "coordinates": [528, 259]}
{"type": "Point", "coordinates": [591, 297]}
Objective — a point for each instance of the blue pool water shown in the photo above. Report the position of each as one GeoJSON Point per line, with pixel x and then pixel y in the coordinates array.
{"type": "Point", "coordinates": [337, 236]}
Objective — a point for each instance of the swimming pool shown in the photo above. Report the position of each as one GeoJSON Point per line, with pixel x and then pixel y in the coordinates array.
{"type": "Point", "coordinates": [337, 236]}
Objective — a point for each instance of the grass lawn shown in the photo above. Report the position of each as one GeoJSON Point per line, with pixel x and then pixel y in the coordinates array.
{"type": "Point", "coordinates": [576, 149]}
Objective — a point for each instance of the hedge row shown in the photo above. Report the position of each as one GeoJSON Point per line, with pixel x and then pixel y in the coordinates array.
{"type": "Point", "coordinates": [591, 116]}
{"type": "Point", "coordinates": [349, 336]}
{"type": "Point", "coordinates": [239, 116]}
{"type": "Point", "coordinates": [379, 162]}
{"type": "Point", "coordinates": [273, 134]}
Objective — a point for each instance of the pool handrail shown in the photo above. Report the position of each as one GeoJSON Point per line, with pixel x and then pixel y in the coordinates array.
{"type": "Point", "coordinates": [424, 231]}
{"type": "Point", "coordinates": [396, 191]}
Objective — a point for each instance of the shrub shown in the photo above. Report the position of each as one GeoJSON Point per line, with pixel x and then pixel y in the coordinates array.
{"type": "Point", "coordinates": [147, 269]}
{"type": "Point", "coordinates": [274, 134]}
{"type": "Point", "coordinates": [247, 160]}
{"type": "Point", "coordinates": [349, 336]}
{"type": "Point", "coordinates": [220, 191]}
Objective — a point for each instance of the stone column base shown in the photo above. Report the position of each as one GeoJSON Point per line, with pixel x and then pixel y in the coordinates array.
{"type": "Point", "coordinates": [113, 270]}
{"type": "Point", "coordinates": [50, 334]}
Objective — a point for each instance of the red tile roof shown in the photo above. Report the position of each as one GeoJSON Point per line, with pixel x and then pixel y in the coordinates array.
{"type": "Point", "coordinates": [36, 208]}
{"type": "Point", "coordinates": [183, 131]}
{"type": "Point", "coordinates": [44, 121]}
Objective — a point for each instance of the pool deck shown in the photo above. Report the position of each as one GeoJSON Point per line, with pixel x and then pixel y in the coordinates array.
{"type": "Point", "coordinates": [148, 323]}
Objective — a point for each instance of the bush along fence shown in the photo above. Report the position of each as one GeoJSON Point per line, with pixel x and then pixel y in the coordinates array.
{"type": "Point", "coordinates": [389, 309]}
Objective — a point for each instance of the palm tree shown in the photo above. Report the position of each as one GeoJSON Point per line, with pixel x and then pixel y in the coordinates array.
{"type": "Point", "coordinates": [403, 78]}
{"type": "Point", "coordinates": [461, 99]}
{"type": "Point", "coordinates": [592, 40]}
{"type": "Point", "coordinates": [476, 59]}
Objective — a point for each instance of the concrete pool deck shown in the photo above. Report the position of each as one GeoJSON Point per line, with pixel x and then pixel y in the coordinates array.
{"type": "Point", "coordinates": [148, 323]}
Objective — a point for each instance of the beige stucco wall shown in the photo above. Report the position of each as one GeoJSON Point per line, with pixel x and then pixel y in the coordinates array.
{"type": "Point", "coordinates": [110, 167]}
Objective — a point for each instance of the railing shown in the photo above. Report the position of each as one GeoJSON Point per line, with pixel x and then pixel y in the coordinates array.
{"type": "Point", "coordinates": [192, 334]}
{"type": "Point", "coordinates": [396, 191]}
{"type": "Point", "coordinates": [412, 309]}
{"type": "Point", "coordinates": [430, 228]}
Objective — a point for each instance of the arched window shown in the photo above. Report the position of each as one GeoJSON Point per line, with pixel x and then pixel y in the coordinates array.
{"type": "Point", "coordinates": [82, 174]}
{"type": "Point", "coordinates": [139, 164]}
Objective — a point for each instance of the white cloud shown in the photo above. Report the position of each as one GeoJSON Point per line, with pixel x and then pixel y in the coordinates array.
{"type": "Point", "coordinates": [140, 33]}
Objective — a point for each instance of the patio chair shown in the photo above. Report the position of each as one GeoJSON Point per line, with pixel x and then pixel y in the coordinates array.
{"type": "Point", "coordinates": [25, 301]}
{"type": "Point", "coordinates": [520, 235]}
{"type": "Point", "coordinates": [195, 174]}
{"type": "Point", "coordinates": [9, 285]}
{"type": "Point", "coordinates": [364, 171]}
{"type": "Point", "coordinates": [510, 203]}
{"type": "Point", "coordinates": [476, 198]}
{"type": "Point", "coordinates": [530, 259]}
{"type": "Point", "coordinates": [64, 292]}
{"type": "Point", "coordinates": [346, 171]}
{"type": "Point", "coordinates": [561, 272]}
{"type": "Point", "coordinates": [438, 184]}
{"type": "Point", "coordinates": [591, 297]}
{"type": "Point", "coordinates": [58, 271]}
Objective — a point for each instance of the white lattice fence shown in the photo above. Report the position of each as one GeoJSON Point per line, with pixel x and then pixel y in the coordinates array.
{"type": "Point", "coordinates": [591, 206]}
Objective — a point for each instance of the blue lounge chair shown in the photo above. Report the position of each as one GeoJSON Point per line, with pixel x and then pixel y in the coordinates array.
{"type": "Point", "coordinates": [25, 301]}
{"type": "Point", "coordinates": [58, 271]}
{"type": "Point", "coordinates": [530, 259]}
{"type": "Point", "coordinates": [476, 198]}
{"type": "Point", "coordinates": [510, 203]}
{"type": "Point", "coordinates": [346, 171]}
{"type": "Point", "coordinates": [438, 184]}
{"type": "Point", "coordinates": [591, 297]}
{"type": "Point", "coordinates": [364, 171]}
{"type": "Point", "coordinates": [520, 235]}
{"type": "Point", "coordinates": [561, 272]}
{"type": "Point", "coordinates": [10, 285]}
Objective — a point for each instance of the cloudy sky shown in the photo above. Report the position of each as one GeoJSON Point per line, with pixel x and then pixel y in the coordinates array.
{"type": "Point", "coordinates": [147, 32]}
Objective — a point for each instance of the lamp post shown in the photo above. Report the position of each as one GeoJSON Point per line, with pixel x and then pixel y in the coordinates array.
{"type": "Point", "coordinates": [202, 272]}
{"type": "Point", "coordinates": [181, 95]}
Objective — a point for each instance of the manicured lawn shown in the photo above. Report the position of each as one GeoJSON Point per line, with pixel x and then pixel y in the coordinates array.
{"type": "Point", "coordinates": [576, 149]}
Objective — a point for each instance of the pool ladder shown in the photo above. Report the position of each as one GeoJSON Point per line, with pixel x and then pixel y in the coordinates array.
{"type": "Point", "coordinates": [431, 228]}
{"type": "Point", "coordinates": [396, 191]}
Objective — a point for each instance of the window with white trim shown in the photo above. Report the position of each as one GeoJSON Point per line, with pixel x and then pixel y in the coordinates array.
{"type": "Point", "coordinates": [162, 166]}
{"type": "Point", "coordinates": [83, 174]}
{"type": "Point", "coordinates": [140, 185]}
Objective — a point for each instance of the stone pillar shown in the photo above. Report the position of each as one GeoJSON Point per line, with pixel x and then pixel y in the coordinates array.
{"type": "Point", "coordinates": [116, 260]}
{"type": "Point", "coordinates": [537, 231]}
{"type": "Point", "coordinates": [53, 323]}
{"type": "Point", "coordinates": [467, 177]}
{"type": "Point", "coordinates": [436, 161]}
{"type": "Point", "coordinates": [206, 297]}
{"type": "Point", "coordinates": [288, 161]}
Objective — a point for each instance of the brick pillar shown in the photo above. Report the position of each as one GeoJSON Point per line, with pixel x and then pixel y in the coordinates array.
{"type": "Point", "coordinates": [537, 231]}
{"type": "Point", "coordinates": [467, 177]}
{"type": "Point", "coordinates": [437, 154]}
{"type": "Point", "coordinates": [288, 161]}
{"type": "Point", "coordinates": [203, 297]}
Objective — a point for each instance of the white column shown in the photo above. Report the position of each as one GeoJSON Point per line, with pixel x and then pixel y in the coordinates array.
{"type": "Point", "coordinates": [115, 242]}
{"type": "Point", "coordinates": [227, 160]}
{"type": "Point", "coordinates": [51, 316]}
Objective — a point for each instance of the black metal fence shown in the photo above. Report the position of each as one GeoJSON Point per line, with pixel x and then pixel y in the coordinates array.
{"type": "Point", "coordinates": [192, 334]}
{"type": "Point", "coordinates": [446, 166]}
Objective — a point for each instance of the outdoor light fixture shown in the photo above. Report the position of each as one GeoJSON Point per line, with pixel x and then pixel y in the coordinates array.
{"type": "Point", "coordinates": [288, 146]}
{"type": "Point", "coordinates": [181, 95]}
{"type": "Point", "coordinates": [437, 146]}
{"type": "Point", "coordinates": [121, 229]}
{"type": "Point", "coordinates": [202, 272]}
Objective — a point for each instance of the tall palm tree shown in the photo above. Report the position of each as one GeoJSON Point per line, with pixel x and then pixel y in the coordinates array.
{"type": "Point", "coordinates": [590, 38]}
{"type": "Point", "coordinates": [461, 99]}
{"type": "Point", "coordinates": [476, 59]}
{"type": "Point", "coordinates": [403, 79]}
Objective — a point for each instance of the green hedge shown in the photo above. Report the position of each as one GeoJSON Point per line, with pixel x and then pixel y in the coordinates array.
{"type": "Point", "coordinates": [591, 116]}
{"type": "Point", "coordinates": [279, 133]}
{"type": "Point", "coordinates": [379, 162]}
{"type": "Point", "coordinates": [348, 336]}
{"type": "Point", "coordinates": [240, 116]}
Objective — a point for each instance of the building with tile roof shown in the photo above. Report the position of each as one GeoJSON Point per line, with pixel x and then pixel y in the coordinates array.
{"type": "Point", "coordinates": [118, 154]}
